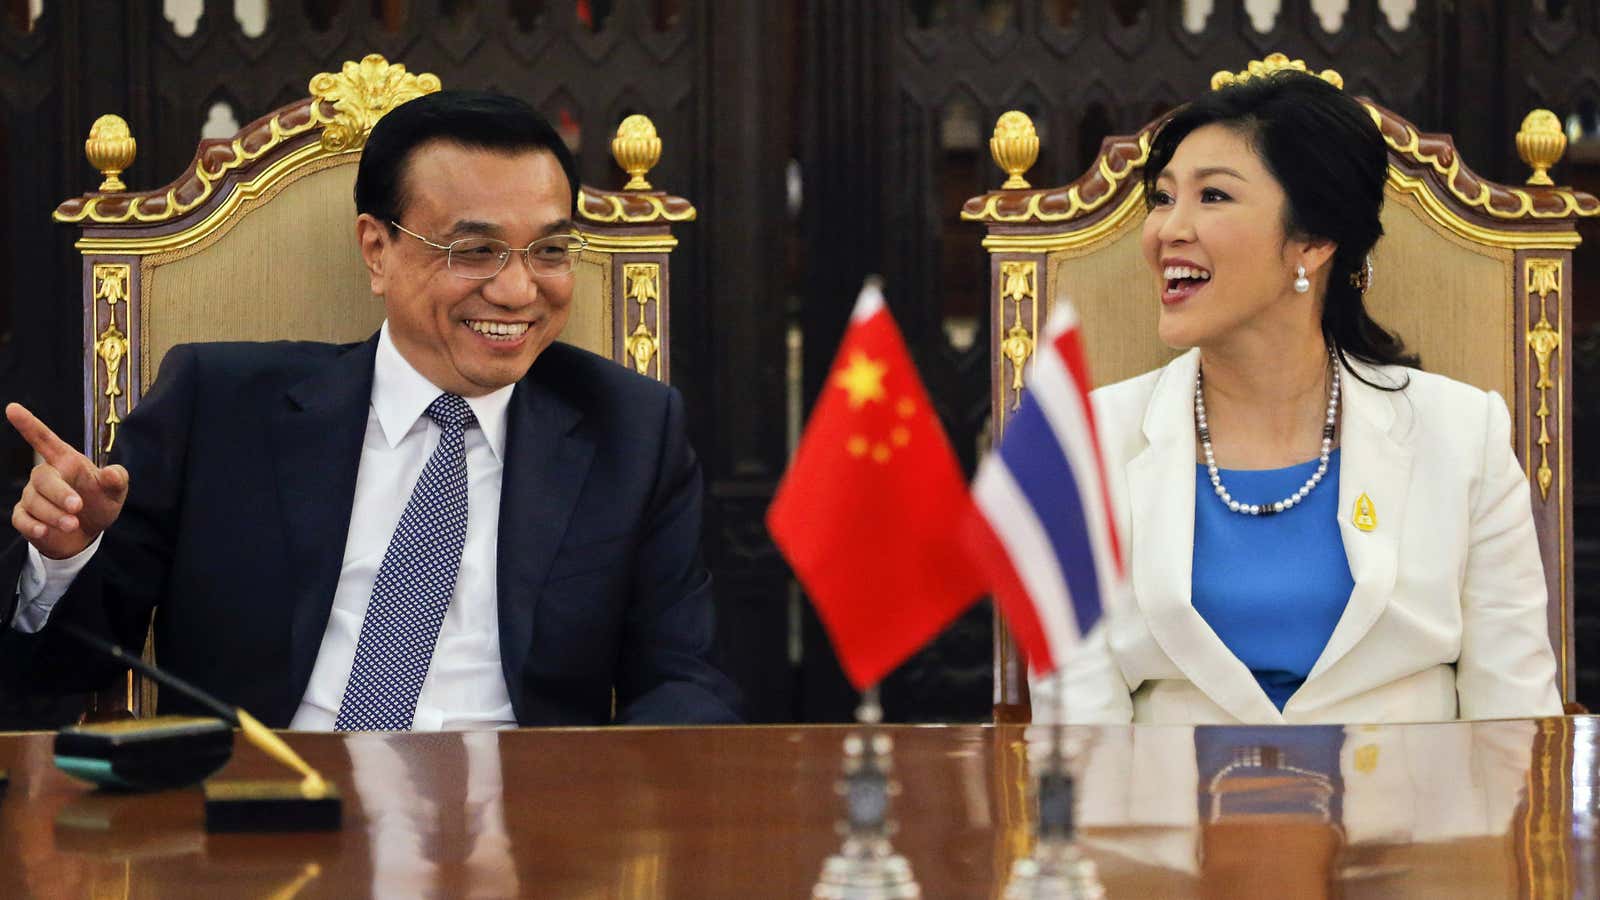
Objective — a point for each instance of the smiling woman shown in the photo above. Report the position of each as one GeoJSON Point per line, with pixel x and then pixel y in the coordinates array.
{"type": "Point", "coordinates": [1319, 531]}
{"type": "Point", "coordinates": [1288, 161]}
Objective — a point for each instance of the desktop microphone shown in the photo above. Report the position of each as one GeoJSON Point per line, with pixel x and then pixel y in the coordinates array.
{"type": "Point", "coordinates": [171, 751]}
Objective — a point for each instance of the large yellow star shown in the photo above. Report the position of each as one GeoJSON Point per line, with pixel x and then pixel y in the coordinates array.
{"type": "Point", "coordinates": [862, 379]}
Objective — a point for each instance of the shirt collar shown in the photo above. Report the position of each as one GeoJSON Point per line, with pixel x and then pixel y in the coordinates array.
{"type": "Point", "coordinates": [400, 395]}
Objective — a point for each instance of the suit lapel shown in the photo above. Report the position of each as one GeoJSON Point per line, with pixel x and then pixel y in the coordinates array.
{"type": "Point", "coordinates": [1376, 464]}
{"type": "Point", "coordinates": [546, 462]}
{"type": "Point", "coordinates": [1161, 488]}
{"type": "Point", "coordinates": [316, 435]}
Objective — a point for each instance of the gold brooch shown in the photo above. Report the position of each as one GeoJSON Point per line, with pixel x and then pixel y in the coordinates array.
{"type": "Point", "coordinates": [1365, 515]}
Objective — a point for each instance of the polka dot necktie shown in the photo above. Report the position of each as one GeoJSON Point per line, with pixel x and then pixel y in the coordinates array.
{"type": "Point", "coordinates": [413, 587]}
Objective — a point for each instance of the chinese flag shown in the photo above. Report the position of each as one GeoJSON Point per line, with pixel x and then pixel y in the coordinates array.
{"type": "Point", "coordinates": [870, 512]}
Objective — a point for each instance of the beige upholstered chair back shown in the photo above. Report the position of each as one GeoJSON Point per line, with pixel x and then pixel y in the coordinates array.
{"type": "Point", "coordinates": [284, 267]}
{"type": "Point", "coordinates": [256, 241]}
{"type": "Point", "coordinates": [1475, 276]}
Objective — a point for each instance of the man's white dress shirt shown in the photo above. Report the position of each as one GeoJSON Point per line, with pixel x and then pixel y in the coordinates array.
{"type": "Point", "coordinates": [465, 687]}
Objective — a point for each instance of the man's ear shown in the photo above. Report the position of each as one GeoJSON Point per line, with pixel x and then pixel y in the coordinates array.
{"type": "Point", "coordinates": [372, 236]}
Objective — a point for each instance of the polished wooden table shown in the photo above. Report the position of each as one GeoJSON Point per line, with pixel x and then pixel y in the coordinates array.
{"type": "Point", "coordinates": [1497, 809]}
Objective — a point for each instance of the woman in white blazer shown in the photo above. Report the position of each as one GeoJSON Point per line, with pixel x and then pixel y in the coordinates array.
{"type": "Point", "coordinates": [1316, 530]}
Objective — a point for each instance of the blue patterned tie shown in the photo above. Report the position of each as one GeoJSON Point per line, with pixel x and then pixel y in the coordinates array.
{"type": "Point", "coordinates": [414, 584]}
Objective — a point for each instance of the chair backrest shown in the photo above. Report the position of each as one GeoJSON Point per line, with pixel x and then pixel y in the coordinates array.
{"type": "Point", "coordinates": [1475, 276]}
{"type": "Point", "coordinates": [256, 241]}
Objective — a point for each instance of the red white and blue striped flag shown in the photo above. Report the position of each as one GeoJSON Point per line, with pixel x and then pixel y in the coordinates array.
{"type": "Point", "coordinates": [1045, 532]}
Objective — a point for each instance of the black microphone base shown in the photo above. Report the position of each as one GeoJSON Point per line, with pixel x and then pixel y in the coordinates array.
{"type": "Point", "coordinates": [269, 806]}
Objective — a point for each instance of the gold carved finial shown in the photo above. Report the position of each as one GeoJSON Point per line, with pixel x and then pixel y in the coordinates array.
{"type": "Point", "coordinates": [1274, 63]}
{"type": "Point", "coordinates": [110, 149]}
{"type": "Point", "coordinates": [361, 93]}
{"type": "Point", "coordinates": [1015, 147]}
{"type": "Point", "coordinates": [636, 149]}
{"type": "Point", "coordinates": [1540, 143]}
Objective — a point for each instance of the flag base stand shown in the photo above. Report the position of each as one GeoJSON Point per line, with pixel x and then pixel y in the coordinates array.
{"type": "Point", "coordinates": [1057, 868]}
{"type": "Point", "coordinates": [860, 873]}
{"type": "Point", "coordinates": [867, 866]}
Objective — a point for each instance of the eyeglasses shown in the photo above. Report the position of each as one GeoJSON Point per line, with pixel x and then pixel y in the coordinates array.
{"type": "Point", "coordinates": [483, 258]}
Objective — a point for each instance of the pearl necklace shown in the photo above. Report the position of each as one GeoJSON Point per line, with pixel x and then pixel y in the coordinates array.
{"type": "Point", "coordinates": [1289, 502]}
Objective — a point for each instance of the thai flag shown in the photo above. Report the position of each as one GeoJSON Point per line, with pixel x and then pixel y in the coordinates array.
{"type": "Point", "coordinates": [1045, 532]}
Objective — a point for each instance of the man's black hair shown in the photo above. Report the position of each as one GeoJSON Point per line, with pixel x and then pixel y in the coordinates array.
{"type": "Point", "coordinates": [474, 119]}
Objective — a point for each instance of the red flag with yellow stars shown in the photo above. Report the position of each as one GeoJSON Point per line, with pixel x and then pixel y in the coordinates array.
{"type": "Point", "coordinates": [870, 510]}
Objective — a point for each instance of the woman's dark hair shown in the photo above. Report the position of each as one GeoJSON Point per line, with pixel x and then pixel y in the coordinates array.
{"type": "Point", "coordinates": [472, 119]}
{"type": "Point", "coordinates": [1324, 149]}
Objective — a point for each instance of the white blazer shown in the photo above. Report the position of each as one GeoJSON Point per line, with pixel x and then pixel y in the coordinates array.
{"type": "Point", "coordinates": [1447, 616]}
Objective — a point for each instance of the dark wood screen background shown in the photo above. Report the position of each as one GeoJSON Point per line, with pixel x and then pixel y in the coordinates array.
{"type": "Point", "coordinates": [821, 140]}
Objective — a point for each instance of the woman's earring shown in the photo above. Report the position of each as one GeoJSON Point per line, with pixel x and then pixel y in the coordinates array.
{"type": "Point", "coordinates": [1361, 279]}
{"type": "Point", "coordinates": [1301, 282]}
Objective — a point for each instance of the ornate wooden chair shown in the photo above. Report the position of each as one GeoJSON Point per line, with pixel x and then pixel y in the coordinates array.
{"type": "Point", "coordinates": [1476, 276]}
{"type": "Point", "coordinates": [255, 241]}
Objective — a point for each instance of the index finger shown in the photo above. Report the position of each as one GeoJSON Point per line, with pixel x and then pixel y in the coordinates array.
{"type": "Point", "coordinates": [39, 436]}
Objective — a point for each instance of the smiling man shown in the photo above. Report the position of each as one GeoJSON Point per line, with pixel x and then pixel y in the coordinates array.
{"type": "Point", "coordinates": [458, 523]}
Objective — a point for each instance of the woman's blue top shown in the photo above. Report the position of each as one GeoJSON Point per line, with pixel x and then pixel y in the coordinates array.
{"type": "Point", "coordinates": [1271, 587]}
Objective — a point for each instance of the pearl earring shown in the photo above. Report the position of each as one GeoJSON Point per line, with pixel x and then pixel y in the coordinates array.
{"type": "Point", "coordinates": [1301, 282]}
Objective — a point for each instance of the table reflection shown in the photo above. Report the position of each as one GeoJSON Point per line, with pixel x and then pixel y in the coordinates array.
{"type": "Point", "coordinates": [1453, 810]}
{"type": "Point", "coordinates": [1323, 796]}
{"type": "Point", "coordinates": [435, 815]}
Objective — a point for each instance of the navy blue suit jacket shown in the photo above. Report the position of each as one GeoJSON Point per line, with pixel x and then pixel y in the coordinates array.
{"type": "Point", "coordinates": [242, 469]}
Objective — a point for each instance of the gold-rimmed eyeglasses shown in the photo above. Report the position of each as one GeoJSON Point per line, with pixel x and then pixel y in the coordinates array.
{"type": "Point", "coordinates": [483, 257]}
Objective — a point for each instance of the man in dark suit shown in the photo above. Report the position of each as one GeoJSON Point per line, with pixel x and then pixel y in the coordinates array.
{"type": "Point", "coordinates": [457, 523]}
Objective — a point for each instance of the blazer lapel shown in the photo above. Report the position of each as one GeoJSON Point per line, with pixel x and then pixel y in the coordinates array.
{"type": "Point", "coordinates": [316, 435]}
{"type": "Point", "coordinates": [546, 462]}
{"type": "Point", "coordinates": [1161, 492]}
{"type": "Point", "coordinates": [1375, 462]}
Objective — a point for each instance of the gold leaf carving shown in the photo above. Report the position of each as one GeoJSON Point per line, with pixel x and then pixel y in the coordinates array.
{"type": "Point", "coordinates": [1543, 277]}
{"type": "Point", "coordinates": [1273, 64]}
{"type": "Point", "coordinates": [642, 285]}
{"type": "Point", "coordinates": [1018, 282]}
{"type": "Point", "coordinates": [111, 282]}
{"type": "Point", "coordinates": [112, 346]}
{"type": "Point", "coordinates": [362, 93]}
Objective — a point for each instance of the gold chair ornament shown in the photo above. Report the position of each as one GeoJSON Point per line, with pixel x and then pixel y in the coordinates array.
{"type": "Point", "coordinates": [1015, 147]}
{"type": "Point", "coordinates": [637, 149]}
{"type": "Point", "coordinates": [362, 93]}
{"type": "Point", "coordinates": [1273, 64]}
{"type": "Point", "coordinates": [1540, 143]}
{"type": "Point", "coordinates": [111, 149]}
